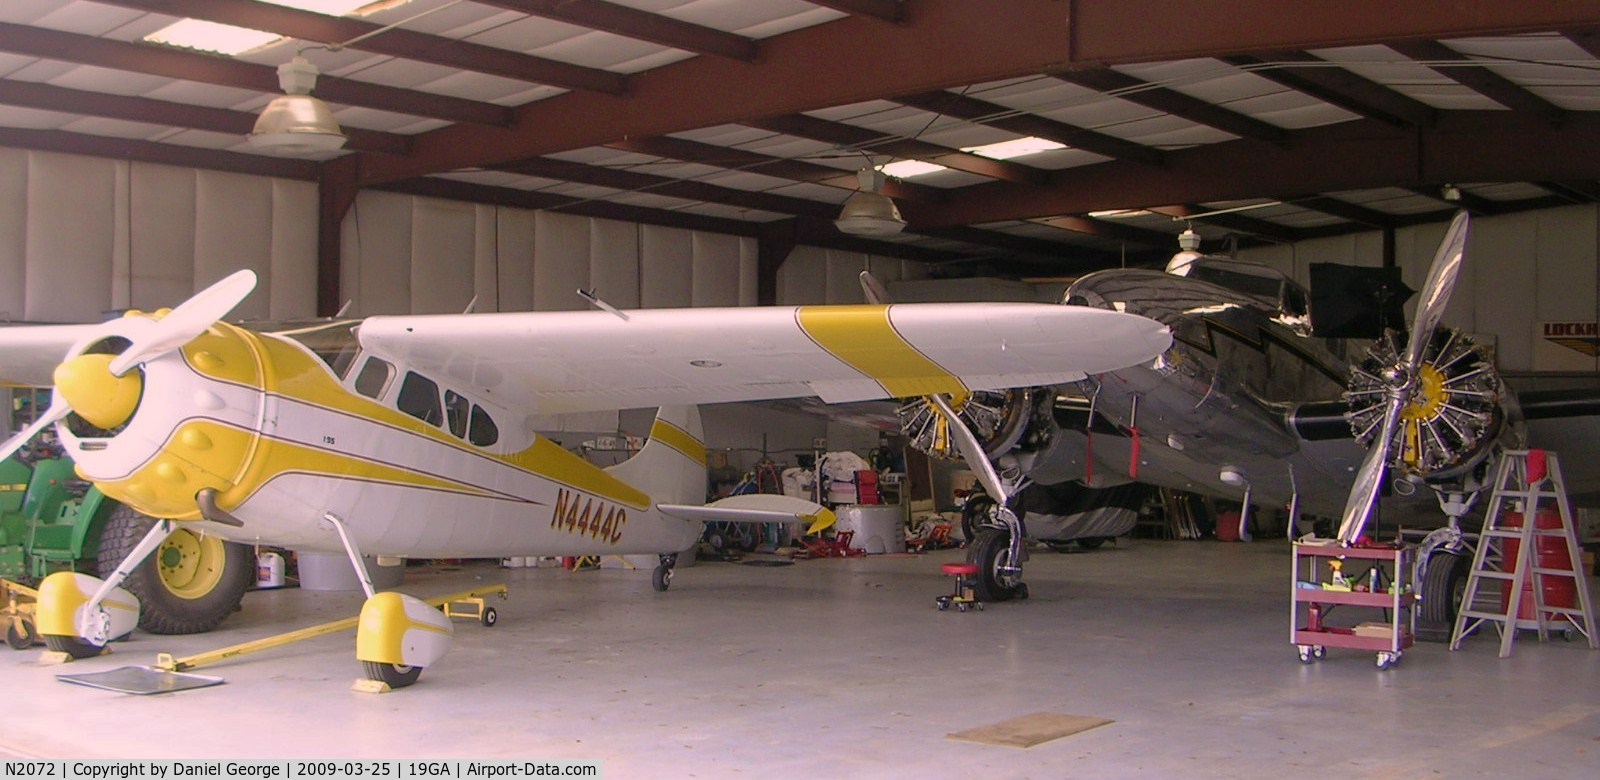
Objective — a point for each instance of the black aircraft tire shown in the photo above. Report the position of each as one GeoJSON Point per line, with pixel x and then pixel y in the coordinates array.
{"type": "Point", "coordinates": [1442, 587]}
{"type": "Point", "coordinates": [973, 514]}
{"type": "Point", "coordinates": [201, 584]}
{"type": "Point", "coordinates": [72, 646]}
{"type": "Point", "coordinates": [992, 547]}
{"type": "Point", "coordinates": [394, 675]}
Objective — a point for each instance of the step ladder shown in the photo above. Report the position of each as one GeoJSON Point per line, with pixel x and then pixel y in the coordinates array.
{"type": "Point", "coordinates": [1524, 477]}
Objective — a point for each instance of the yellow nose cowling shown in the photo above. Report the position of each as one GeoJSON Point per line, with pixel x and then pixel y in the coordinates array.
{"type": "Point", "coordinates": [88, 386]}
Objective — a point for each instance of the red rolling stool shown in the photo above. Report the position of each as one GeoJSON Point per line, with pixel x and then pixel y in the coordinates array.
{"type": "Point", "coordinates": [964, 596]}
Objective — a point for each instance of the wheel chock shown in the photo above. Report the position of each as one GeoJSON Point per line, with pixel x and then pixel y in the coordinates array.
{"type": "Point", "coordinates": [367, 685]}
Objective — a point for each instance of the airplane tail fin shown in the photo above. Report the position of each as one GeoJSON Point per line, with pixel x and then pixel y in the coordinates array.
{"type": "Point", "coordinates": [671, 467]}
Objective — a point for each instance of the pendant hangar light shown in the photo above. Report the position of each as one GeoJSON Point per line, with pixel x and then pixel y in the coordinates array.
{"type": "Point", "coordinates": [298, 124]}
{"type": "Point", "coordinates": [869, 212]}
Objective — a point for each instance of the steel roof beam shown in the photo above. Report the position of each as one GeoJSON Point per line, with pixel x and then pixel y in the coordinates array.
{"type": "Point", "coordinates": [150, 151]}
{"type": "Point", "coordinates": [1345, 210]}
{"type": "Point", "coordinates": [1170, 101]}
{"type": "Point", "coordinates": [779, 167]}
{"type": "Point", "coordinates": [881, 10]}
{"type": "Point", "coordinates": [1474, 75]}
{"type": "Point", "coordinates": [639, 25]}
{"type": "Point", "coordinates": [851, 137]}
{"type": "Point", "coordinates": [633, 181]}
{"type": "Point", "coordinates": [1102, 228]}
{"type": "Point", "coordinates": [175, 63]}
{"type": "Point", "coordinates": [1329, 83]}
{"type": "Point", "coordinates": [1361, 154]}
{"type": "Point", "coordinates": [47, 97]}
{"type": "Point", "coordinates": [856, 59]}
{"type": "Point", "coordinates": [394, 42]}
{"type": "Point", "coordinates": [994, 115]}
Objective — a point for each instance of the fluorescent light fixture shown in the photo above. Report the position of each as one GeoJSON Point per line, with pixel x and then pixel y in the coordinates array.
{"type": "Point", "coordinates": [230, 40]}
{"type": "Point", "coordinates": [905, 169]}
{"type": "Point", "coordinates": [1119, 213]}
{"type": "Point", "coordinates": [1006, 150]}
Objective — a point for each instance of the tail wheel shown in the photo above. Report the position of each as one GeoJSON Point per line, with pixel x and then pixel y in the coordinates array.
{"type": "Point", "coordinates": [188, 585]}
{"type": "Point", "coordinates": [991, 551]}
{"type": "Point", "coordinates": [394, 675]}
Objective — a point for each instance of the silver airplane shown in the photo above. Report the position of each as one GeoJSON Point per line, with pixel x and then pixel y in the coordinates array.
{"type": "Point", "coordinates": [1249, 403]}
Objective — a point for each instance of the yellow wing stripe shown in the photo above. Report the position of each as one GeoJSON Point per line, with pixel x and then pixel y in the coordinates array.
{"type": "Point", "coordinates": [865, 339]}
{"type": "Point", "coordinates": [680, 440]}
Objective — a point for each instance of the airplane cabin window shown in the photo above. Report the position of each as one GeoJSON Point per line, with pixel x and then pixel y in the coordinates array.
{"type": "Point", "coordinates": [419, 397]}
{"type": "Point", "coordinates": [482, 431]}
{"type": "Point", "coordinates": [455, 412]}
{"type": "Point", "coordinates": [374, 377]}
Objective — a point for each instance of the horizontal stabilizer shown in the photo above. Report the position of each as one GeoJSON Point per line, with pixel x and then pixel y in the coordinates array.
{"type": "Point", "coordinates": [756, 508]}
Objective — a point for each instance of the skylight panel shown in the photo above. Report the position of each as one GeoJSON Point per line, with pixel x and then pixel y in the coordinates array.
{"type": "Point", "coordinates": [230, 40]}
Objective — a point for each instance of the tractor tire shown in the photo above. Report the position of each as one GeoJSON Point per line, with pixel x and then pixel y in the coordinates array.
{"type": "Point", "coordinates": [1442, 588]}
{"type": "Point", "coordinates": [188, 585]}
{"type": "Point", "coordinates": [991, 549]}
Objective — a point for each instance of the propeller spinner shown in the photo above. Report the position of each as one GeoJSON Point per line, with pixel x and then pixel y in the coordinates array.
{"type": "Point", "coordinates": [104, 389]}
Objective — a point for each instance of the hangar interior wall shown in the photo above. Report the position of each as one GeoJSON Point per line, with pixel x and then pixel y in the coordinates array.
{"type": "Point", "coordinates": [1521, 270]}
{"type": "Point", "coordinates": [84, 236]}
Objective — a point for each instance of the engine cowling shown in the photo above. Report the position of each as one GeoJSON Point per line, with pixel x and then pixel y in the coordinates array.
{"type": "Point", "coordinates": [1003, 421]}
{"type": "Point", "coordinates": [1455, 413]}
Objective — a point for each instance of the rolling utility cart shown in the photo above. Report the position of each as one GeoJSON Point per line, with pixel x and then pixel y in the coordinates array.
{"type": "Point", "coordinates": [1327, 576]}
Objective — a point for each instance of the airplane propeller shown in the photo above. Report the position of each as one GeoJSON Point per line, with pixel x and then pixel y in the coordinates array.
{"type": "Point", "coordinates": [1401, 380]}
{"type": "Point", "coordinates": [180, 326]}
{"type": "Point", "coordinates": [190, 319]}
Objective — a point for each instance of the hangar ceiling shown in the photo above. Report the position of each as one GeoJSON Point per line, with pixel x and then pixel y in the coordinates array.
{"type": "Point", "coordinates": [1250, 120]}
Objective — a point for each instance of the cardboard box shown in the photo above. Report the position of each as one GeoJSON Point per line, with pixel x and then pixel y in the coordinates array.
{"type": "Point", "coordinates": [1375, 630]}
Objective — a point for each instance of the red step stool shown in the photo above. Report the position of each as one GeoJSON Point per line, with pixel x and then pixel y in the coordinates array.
{"type": "Point", "coordinates": [964, 596]}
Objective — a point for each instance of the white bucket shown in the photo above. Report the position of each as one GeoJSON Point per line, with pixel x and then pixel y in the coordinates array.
{"type": "Point", "coordinates": [269, 570]}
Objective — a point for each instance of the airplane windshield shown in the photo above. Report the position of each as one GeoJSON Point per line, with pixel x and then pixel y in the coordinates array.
{"type": "Point", "coordinates": [333, 341]}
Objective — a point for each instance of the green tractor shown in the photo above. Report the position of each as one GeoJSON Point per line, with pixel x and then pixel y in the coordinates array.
{"type": "Point", "coordinates": [50, 520]}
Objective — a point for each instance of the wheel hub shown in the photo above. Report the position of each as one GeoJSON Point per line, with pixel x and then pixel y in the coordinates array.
{"type": "Point", "coordinates": [190, 565]}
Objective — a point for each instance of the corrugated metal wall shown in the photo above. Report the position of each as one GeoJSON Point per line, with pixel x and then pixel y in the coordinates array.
{"type": "Point", "coordinates": [80, 236]}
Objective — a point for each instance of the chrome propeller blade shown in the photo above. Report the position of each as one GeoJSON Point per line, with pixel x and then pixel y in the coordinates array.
{"type": "Point", "coordinates": [972, 451]}
{"type": "Point", "coordinates": [1436, 291]}
{"type": "Point", "coordinates": [188, 320]}
{"type": "Point", "coordinates": [1401, 379]}
{"type": "Point", "coordinates": [1369, 479]}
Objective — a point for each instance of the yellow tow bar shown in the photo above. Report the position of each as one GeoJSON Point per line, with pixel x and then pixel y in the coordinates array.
{"type": "Point", "coordinates": [469, 597]}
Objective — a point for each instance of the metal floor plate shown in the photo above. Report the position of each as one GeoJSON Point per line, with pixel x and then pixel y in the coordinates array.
{"type": "Point", "coordinates": [141, 680]}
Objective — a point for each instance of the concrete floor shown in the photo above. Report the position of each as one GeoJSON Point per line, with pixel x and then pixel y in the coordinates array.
{"type": "Point", "coordinates": [844, 668]}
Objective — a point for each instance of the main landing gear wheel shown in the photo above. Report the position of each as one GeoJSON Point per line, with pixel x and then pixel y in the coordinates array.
{"type": "Point", "coordinates": [991, 551]}
{"type": "Point", "coordinates": [74, 647]}
{"type": "Point", "coordinates": [188, 585]}
{"type": "Point", "coordinates": [1443, 585]}
{"type": "Point", "coordinates": [394, 675]}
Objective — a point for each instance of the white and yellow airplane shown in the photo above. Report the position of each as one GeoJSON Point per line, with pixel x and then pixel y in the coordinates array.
{"type": "Point", "coordinates": [409, 436]}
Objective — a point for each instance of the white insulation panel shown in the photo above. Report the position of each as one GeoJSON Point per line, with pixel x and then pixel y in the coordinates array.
{"type": "Point", "coordinates": [81, 237]}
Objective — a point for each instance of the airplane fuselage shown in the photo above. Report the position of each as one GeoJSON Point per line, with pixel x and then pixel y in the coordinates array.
{"type": "Point", "coordinates": [1220, 398]}
{"type": "Point", "coordinates": [413, 467]}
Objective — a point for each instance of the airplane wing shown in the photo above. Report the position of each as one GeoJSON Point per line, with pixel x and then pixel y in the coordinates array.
{"type": "Point", "coordinates": [561, 362]}
{"type": "Point", "coordinates": [32, 352]}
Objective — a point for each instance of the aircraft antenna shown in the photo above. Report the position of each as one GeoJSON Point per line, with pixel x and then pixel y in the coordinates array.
{"type": "Point", "coordinates": [594, 300]}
